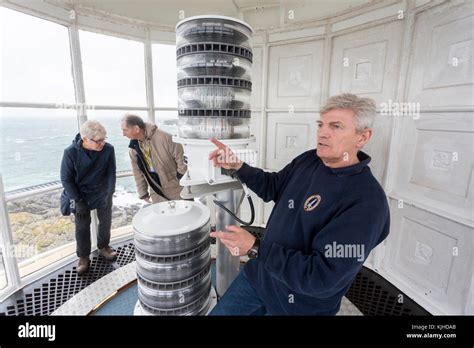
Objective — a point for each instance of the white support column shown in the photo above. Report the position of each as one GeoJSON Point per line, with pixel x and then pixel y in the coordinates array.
{"type": "Point", "coordinates": [78, 77]}
{"type": "Point", "coordinates": [6, 243]}
{"type": "Point", "coordinates": [149, 80]}
{"type": "Point", "coordinates": [263, 121]}
{"type": "Point", "coordinates": [77, 73]}
{"type": "Point", "coordinates": [326, 64]}
{"type": "Point", "coordinates": [227, 265]}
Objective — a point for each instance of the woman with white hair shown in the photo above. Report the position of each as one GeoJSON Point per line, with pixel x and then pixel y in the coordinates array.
{"type": "Point", "coordinates": [88, 177]}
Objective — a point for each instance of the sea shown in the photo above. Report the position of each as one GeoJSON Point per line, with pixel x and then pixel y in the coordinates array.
{"type": "Point", "coordinates": [31, 149]}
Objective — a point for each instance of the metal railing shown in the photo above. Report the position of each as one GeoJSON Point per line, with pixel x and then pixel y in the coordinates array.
{"type": "Point", "coordinates": [31, 191]}
{"type": "Point", "coordinates": [12, 273]}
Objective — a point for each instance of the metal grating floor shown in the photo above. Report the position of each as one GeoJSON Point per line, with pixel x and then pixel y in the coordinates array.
{"type": "Point", "coordinates": [45, 295]}
{"type": "Point", "coordinates": [370, 293]}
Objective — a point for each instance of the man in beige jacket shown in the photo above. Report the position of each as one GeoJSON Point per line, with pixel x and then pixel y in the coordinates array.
{"type": "Point", "coordinates": [157, 162]}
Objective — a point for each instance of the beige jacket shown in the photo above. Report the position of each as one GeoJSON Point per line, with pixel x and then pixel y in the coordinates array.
{"type": "Point", "coordinates": [167, 159]}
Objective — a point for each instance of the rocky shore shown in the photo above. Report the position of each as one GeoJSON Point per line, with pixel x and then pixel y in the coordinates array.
{"type": "Point", "coordinates": [38, 225]}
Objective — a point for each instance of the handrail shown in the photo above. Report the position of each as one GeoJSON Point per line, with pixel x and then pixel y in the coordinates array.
{"type": "Point", "coordinates": [46, 187]}
{"type": "Point", "coordinates": [14, 282]}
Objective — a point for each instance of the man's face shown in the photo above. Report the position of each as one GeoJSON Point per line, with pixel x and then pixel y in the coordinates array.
{"type": "Point", "coordinates": [94, 144]}
{"type": "Point", "coordinates": [338, 139]}
{"type": "Point", "coordinates": [129, 132]}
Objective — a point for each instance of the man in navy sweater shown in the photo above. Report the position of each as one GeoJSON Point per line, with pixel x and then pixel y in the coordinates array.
{"type": "Point", "coordinates": [329, 213]}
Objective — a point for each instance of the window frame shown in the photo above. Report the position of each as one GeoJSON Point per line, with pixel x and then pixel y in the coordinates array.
{"type": "Point", "coordinates": [74, 21]}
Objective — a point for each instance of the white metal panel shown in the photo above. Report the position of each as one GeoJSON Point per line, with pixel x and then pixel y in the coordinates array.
{"type": "Point", "coordinates": [442, 68]}
{"type": "Point", "coordinates": [289, 136]}
{"type": "Point", "coordinates": [296, 34]}
{"type": "Point", "coordinates": [428, 254]}
{"type": "Point", "coordinates": [436, 166]}
{"type": "Point", "coordinates": [430, 258]}
{"type": "Point", "coordinates": [419, 3]}
{"type": "Point", "coordinates": [310, 10]}
{"type": "Point", "coordinates": [378, 146]}
{"type": "Point", "coordinates": [260, 17]}
{"type": "Point", "coordinates": [258, 38]}
{"type": "Point", "coordinates": [366, 62]}
{"type": "Point", "coordinates": [295, 73]}
{"type": "Point", "coordinates": [384, 12]}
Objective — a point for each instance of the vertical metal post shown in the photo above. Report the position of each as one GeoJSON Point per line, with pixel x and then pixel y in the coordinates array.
{"type": "Point", "coordinates": [6, 242]}
{"type": "Point", "coordinates": [77, 74]}
{"type": "Point", "coordinates": [78, 77]}
{"type": "Point", "coordinates": [262, 145]}
{"type": "Point", "coordinates": [150, 101]}
{"type": "Point", "coordinates": [227, 265]}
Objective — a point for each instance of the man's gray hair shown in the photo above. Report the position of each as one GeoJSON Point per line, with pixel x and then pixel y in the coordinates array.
{"type": "Point", "coordinates": [133, 120]}
{"type": "Point", "coordinates": [364, 108]}
{"type": "Point", "coordinates": [92, 130]}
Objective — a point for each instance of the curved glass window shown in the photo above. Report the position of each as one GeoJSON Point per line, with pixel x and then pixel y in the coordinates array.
{"type": "Point", "coordinates": [35, 60]}
{"type": "Point", "coordinates": [164, 75]}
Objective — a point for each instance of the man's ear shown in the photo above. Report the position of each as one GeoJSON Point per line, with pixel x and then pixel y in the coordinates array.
{"type": "Point", "coordinates": [364, 137]}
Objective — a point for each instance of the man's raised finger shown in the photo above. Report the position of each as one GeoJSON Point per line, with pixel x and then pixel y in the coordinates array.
{"type": "Point", "coordinates": [217, 143]}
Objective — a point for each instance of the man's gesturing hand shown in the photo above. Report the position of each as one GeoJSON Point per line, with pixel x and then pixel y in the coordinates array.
{"type": "Point", "coordinates": [237, 240]}
{"type": "Point", "coordinates": [223, 156]}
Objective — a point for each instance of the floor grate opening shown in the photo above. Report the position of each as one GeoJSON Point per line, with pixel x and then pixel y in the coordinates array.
{"type": "Point", "coordinates": [47, 294]}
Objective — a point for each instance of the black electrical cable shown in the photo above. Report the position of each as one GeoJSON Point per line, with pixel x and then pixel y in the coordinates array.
{"type": "Point", "coordinates": [252, 212]}
{"type": "Point", "coordinates": [252, 209]}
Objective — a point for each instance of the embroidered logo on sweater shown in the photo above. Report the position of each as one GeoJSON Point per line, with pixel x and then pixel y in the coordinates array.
{"type": "Point", "coordinates": [312, 202]}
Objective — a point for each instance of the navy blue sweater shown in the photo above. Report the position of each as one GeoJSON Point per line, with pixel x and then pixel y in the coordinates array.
{"type": "Point", "coordinates": [323, 226]}
{"type": "Point", "coordinates": [88, 175]}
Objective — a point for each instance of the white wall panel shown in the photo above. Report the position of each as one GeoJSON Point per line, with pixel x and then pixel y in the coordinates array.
{"type": "Point", "coordinates": [296, 34]}
{"type": "Point", "coordinates": [391, 11]}
{"type": "Point", "coordinates": [378, 146]}
{"type": "Point", "coordinates": [436, 162]}
{"type": "Point", "coordinates": [366, 62]}
{"type": "Point", "coordinates": [295, 73]}
{"type": "Point", "coordinates": [288, 136]}
{"type": "Point", "coordinates": [442, 68]}
{"type": "Point", "coordinates": [430, 257]}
